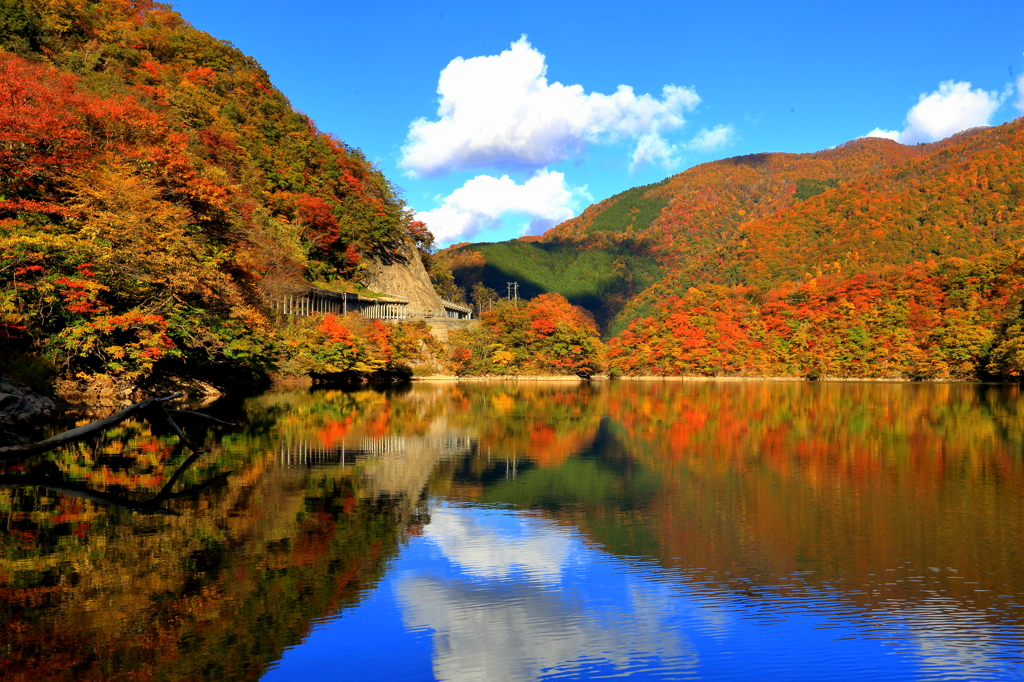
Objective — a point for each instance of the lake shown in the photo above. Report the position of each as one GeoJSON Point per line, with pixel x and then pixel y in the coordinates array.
{"type": "Point", "coordinates": [704, 530]}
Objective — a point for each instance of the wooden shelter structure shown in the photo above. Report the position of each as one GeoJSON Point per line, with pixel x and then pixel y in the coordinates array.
{"type": "Point", "coordinates": [311, 301]}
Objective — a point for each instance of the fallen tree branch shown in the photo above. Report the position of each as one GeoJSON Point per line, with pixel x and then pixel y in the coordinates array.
{"type": "Point", "coordinates": [150, 506]}
{"type": "Point", "coordinates": [63, 487]}
{"type": "Point", "coordinates": [200, 415]}
{"type": "Point", "coordinates": [177, 429]}
{"type": "Point", "coordinates": [153, 410]}
{"type": "Point", "coordinates": [84, 431]}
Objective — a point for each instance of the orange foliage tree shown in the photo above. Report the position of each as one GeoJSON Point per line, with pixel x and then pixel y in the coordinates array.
{"type": "Point", "coordinates": [183, 179]}
{"type": "Point", "coordinates": [546, 335]}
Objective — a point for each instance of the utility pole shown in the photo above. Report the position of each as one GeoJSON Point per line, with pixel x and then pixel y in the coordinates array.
{"type": "Point", "coordinates": [512, 291]}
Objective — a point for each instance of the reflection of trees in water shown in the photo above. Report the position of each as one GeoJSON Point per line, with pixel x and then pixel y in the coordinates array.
{"type": "Point", "coordinates": [149, 504]}
{"type": "Point", "coordinates": [772, 488]}
{"type": "Point", "coordinates": [795, 493]}
{"type": "Point", "coordinates": [849, 482]}
{"type": "Point", "coordinates": [312, 454]}
{"type": "Point", "coordinates": [770, 495]}
{"type": "Point", "coordinates": [215, 588]}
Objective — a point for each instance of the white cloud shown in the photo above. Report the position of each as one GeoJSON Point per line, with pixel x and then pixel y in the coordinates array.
{"type": "Point", "coordinates": [530, 600]}
{"type": "Point", "coordinates": [653, 149]}
{"type": "Point", "coordinates": [501, 110]}
{"type": "Point", "coordinates": [507, 632]}
{"type": "Point", "coordinates": [545, 199]}
{"type": "Point", "coordinates": [1020, 94]}
{"type": "Point", "coordinates": [887, 134]}
{"type": "Point", "coordinates": [712, 140]}
{"type": "Point", "coordinates": [948, 110]}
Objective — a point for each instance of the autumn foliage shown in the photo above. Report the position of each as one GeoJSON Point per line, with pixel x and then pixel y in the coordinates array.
{"type": "Point", "coordinates": [335, 346]}
{"type": "Point", "coordinates": [154, 186]}
{"type": "Point", "coordinates": [873, 260]}
{"type": "Point", "coordinates": [546, 335]}
{"type": "Point", "coordinates": [912, 271]}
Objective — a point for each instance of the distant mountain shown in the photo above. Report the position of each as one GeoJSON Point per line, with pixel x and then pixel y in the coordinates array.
{"type": "Point", "coordinates": [615, 249]}
{"type": "Point", "coordinates": [755, 226]}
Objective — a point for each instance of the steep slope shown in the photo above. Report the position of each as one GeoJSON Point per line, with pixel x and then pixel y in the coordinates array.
{"type": "Point", "coordinates": [687, 225]}
{"type": "Point", "coordinates": [402, 273]}
{"type": "Point", "coordinates": [154, 185]}
{"type": "Point", "coordinates": [913, 271]}
{"type": "Point", "coordinates": [873, 259]}
{"type": "Point", "coordinates": [600, 279]}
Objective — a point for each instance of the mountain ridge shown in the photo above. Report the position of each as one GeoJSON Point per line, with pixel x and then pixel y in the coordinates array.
{"type": "Point", "coordinates": [936, 227]}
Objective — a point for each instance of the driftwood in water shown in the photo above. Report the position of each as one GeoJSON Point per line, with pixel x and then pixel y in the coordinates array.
{"type": "Point", "coordinates": [81, 432]}
{"type": "Point", "coordinates": [151, 408]}
{"type": "Point", "coordinates": [190, 413]}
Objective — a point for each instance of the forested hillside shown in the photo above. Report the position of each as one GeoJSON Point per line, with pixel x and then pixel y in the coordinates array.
{"type": "Point", "coordinates": [686, 225]}
{"type": "Point", "coordinates": [911, 272]}
{"type": "Point", "coordinates": [601, 280]}
{"type": "Point", "coordinates": [873, 259]}
{"type": "Point", "coordinates": [154, 185]}
{"type": "Point", "coordinates": [155, 188]}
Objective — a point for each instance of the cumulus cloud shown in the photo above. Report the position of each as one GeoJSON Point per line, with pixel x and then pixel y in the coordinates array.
{"type": "Point", "coordinates": [545, 199]}
{"type": "Point", "coordinates": [500, 110]}
{"type": "Point", "coordinates": [887, 134]}
{"type": "Point", "coordinates": [948, 110]}
{"type": "Point", "coordinates": [712, 140]}
{"type": "Point", "coordinates": [509, 632]}
{"type": "Point", "coordinates": [653, 149]}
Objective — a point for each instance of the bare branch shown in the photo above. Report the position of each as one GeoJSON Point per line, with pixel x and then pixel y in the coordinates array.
{"type": "Point", "coordinates": [76, 434]}
{"type": "Point", "coordinates": [200, 415]}
{"type": "Point", "coordinates": [177, 429]}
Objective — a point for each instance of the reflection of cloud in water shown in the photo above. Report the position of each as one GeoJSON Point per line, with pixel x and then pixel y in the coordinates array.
{"type": "Point", "coordinates": [512, 619]}
{"type": "Point", "coordinates": [954, 640]}
{"type": "Point", "coordinates": [492, 546]}
{"type": "Point", "coordinates": [507, 632]}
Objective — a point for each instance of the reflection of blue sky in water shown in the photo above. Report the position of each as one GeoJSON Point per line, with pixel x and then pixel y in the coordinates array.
{"type": "Point", "coordinates": [496, 595]}
{"type": "Point", "coordinates": [517, 612]}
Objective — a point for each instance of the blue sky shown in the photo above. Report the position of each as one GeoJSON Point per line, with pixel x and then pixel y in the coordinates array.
{"type": "Point", "coordinates": [536, 124]}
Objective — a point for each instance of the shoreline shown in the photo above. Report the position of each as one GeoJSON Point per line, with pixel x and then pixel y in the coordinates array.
{"type": "Point", "coordinates": [451, 378]}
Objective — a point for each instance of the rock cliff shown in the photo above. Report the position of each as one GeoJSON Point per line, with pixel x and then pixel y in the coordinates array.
{"type": "Point", "coordinates": [401, 273]}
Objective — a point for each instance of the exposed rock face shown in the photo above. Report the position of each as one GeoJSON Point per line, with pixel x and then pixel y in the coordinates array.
{"type": "Point", "coordinates": [104, 391]}
{"type": "Point", "coordinates": [21, 407]}
{"type": "Point", "coordinates": [99, 390]}
{"type": "Point", "coordinates": [402, 274]}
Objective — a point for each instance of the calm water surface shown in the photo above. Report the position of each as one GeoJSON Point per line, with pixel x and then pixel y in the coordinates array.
{"type": "Point", "coordinates": [498, 531]}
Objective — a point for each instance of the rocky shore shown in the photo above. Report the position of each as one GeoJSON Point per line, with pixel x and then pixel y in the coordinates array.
{"type": "Point", "coordinates": [22, 409]}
